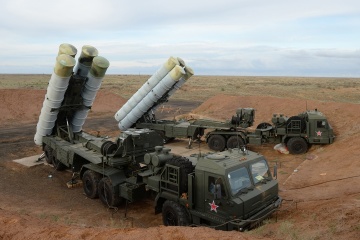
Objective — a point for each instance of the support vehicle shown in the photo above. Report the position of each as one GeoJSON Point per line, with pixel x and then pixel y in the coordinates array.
{"type": "Point", "coordinates": [297, 133]}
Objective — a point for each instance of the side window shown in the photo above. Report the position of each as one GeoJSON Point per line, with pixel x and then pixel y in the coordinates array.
{"type": "Point", "coordinates": [216, 187]}
{"type": "Point", "coordinates": [321, 124]}
{"type": "Point", "coordinates": [259, 171]}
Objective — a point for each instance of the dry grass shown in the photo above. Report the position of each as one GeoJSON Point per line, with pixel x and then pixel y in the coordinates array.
{"type": "Point", "coordinates": [200, 88]}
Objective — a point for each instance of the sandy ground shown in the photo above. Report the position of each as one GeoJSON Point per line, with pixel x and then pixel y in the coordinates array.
{"type": "Point", "coordinates": [321, 188]}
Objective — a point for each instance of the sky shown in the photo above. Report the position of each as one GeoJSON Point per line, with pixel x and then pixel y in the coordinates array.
{"type": "Point", "coordinates": [229, 37]}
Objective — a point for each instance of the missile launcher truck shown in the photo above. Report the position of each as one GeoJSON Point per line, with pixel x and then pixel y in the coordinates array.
{"type": "Point", "coordinates": [297, 133]}
{"type": "Point", "coordinates": [227, 190]}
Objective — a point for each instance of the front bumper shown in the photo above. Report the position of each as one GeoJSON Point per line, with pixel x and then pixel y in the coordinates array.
{"type": "Point", "coordinates": [242, 224]}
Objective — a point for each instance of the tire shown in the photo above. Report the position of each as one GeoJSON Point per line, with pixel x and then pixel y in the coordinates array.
{"type": "Point", "coordinates": [297, 145]}
{"type": "Point", "coordinates": [235, 142]}
{"type": "Point", "coordinates": [59, 166]}
{"type": "Point", "coordinates": [90, 181]}
{"type": "Point", "coordinates": [174, 214]}
{"type": "Point", "coordinates": [48, 154]}
{"type": "Point", "coordinates": [186, 167]}
{"type": "Point", "coordinates": [107, 194]}
{"type": "Point", "coordinates": [216, 142]}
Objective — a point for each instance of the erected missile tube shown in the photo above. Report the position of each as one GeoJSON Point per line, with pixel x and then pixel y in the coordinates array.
{"type": "Point", "coordinates": [152, 97]}
{"type": "Point", "coordinates": [188, 73]}
{"type": "Point", "coordinates": [146, 88]}
{"type": "Point", "coordinates": [181, 62]}
{"type": "Point", "coordinates": [95, 76]}
{"type": "Point", "coordinates": [83, 65]}
{"type": "Point", "coordinates": [66, 48]}
{"type": "Point", "coordinates": [54, 96]}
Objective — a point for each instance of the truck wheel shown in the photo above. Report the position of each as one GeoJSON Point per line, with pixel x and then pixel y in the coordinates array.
{"type": "Point", "coordinates": [297, 145]}
{"type": "Point", "coordinates": [107, 194]}
{"type": "Point", "coordinates": [90, 181]}
{"type": "Point", "coordinates": [59, 166]}
{"type": "Point", "coordinates": [216, 142]}
{"type": "Point", "coordinates": [174, 214]}
{"type": "Point", "coordinates": [186, 167]}
{"type": "Point", "coordinates": [235, 142]}
{"type": "Point", "coordinates": [48, 154]}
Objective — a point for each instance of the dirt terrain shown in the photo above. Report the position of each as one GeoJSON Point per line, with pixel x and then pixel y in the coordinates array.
{"type": "Point", "coordinates": [320, 189]}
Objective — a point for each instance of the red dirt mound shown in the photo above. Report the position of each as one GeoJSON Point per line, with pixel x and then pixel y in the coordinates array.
{"type": "Point", "coordinates": [323, 189]}
{"type": "Point", "coordinates": [22, 106]}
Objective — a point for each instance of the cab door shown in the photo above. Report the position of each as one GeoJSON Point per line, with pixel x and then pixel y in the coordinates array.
{"type": "Point", "coordinates": [216, 196]}
{"type": "Point", "coordinates": [319, 133]}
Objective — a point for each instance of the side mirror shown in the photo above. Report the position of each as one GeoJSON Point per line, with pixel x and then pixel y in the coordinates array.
{"type": "Point", "coordinates": [275, 171]}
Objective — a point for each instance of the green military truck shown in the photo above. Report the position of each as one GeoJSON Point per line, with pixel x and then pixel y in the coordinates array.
{"type": "Point", "coordinates": [227, 190]}
{"type": "Point", "coordinates": [297, 133]}
{"type": "Point", "coordinates": [230, 190]}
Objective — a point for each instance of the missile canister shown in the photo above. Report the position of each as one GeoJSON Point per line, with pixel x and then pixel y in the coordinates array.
{"type": "Point", "coordinates": [146, 88]}
{"type": "Point", "coordinates": [54, 95]}
{"type": "Point", "coordinates": [85, 60]}
{"type": "Point", "coordinates": [188, 73]}
{"type": "Point", "coordinates": [95, 76]}
{"type": "Point", "coordinates": [152, 97]}
{"type": "Point", "coordinates": [181, 62]}
{"type": "Point", "coordinates": [68, 49]}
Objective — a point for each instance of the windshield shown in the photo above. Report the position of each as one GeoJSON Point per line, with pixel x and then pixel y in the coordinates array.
{"type": "Point", "coordinates": [259, 171]}
{"type": "Point", "coordinates": [239, 179]}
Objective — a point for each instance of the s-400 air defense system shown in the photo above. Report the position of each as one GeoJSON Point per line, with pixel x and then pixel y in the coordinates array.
{"type": "Point", "coordinates": [227, 190]}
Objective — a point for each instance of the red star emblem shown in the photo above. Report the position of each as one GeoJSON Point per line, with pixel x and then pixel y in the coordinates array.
{"type": "Point", "coordinates": [318, 133]}
{"type": "Point", "coordinates": [213, 206]}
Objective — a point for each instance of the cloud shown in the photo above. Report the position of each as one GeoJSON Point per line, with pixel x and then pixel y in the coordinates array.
{"type": "Point", "coordinates": [215, 37]}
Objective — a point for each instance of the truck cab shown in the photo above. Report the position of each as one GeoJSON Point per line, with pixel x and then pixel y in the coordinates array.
{"type": "Point", "coordinates": [318, 128]}
{"type": "Point", "coordinates": [229, 190]}
{"type": "Point", "coordinates": [234, 186]}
